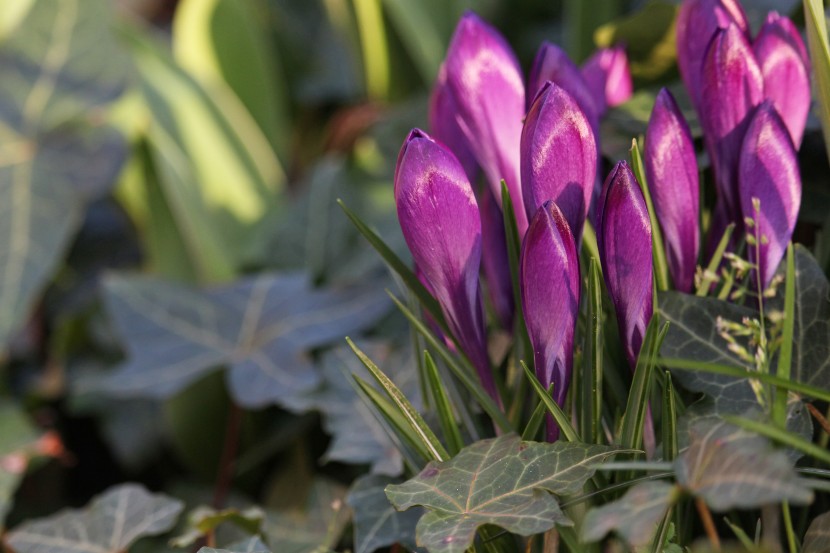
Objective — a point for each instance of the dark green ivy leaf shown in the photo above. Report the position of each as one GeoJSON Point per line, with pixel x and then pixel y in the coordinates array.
{"type": "Point", "coordinates": [110, 524]}
{"type": "Point", "coordinates": [817, 538]}
{"type": "Point", "coordinates": [734, 469]}
{"type": "Point", "coordinates": [261, 328]}
{"type": "Point", "coordinates": [502, 481]}
{"type": "Point", "coordinates": [253, 545]}
{"type": "Point", "coordinates": [376, 522]}
{"type": "Point", "coordinates": [634, 517]}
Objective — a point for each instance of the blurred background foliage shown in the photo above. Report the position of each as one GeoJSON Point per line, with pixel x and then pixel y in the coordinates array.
{"type": "Point", "coordinates": [204, 141]}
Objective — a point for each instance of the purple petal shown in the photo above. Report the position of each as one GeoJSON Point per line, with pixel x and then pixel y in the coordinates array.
{"type": "Point", "coordinates": [696, 24]}
{"type": "Point", "coordinates": [769, 173]}
{"type": "Point", "coordinates": [732, 87]}
{"type": "Point", "coordinates": [625, 252]}
{"type": "Point", "coordinates": [441, 225]}
{"type": "Point", "coordinates": [784, 64]}
{"type": "Point", "coordinates": [553, 64]}
{"type": "Point", "coordinates": [549, 278]}
{"type": "Point", "coordinates": [486, 82]}
{"type": "Point", "coordinates": [444, 126]}
{"type": "Point", "coordinates": [671, 171]}
{"type": "Point", "coordinates": [495, 260]}
{"type": "Point", "coordinates": [559, 156]}
{"type": "Point", "coordinates": [608, 77]}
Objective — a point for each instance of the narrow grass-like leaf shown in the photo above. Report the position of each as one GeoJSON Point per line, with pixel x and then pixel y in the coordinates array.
{"type": "Point", "coordinates": [458, 502]}
{"type": "Point", "coordinates": [782, 436]}
{"type": "Point", "coordinates": [415, 23]}
{"type": "Point", "coordinates": [785, 354]}
{"type": "Point", "coordinates": [514, 247]}
{"type": "Point", "coordinates": [413, 418]}
{"type": "Point", "coordinates": [727, 370]}
{"type": "Point", "coordinates": [398, 266]}
{"type": "Point", "coordinates": [460, 367]}
{"type": "Point", "coordinates": [741, 535]}
{"type": "Point", "coordinates": [637, 406]}
{"type": "Point", "coordinates": [535, 423]}
{"type": "Point", "coordinates": [669, 420]}
{"type": "Point", "coordinates": [452, 434]}
{"type": "Point", "coordinates": [661, 267]}
{"type": "Point", "coordinates": [395, 422]}
{"type": "Point", "coordinates": [711, 273]}
{"type": "Point", "coordinates": [374, 47]}
{"type": "Point", "coordinates": [568, 431]}
{"type": "Point", "coordinates": [816, 25]}
{"type": "Point", "coordinates": [590, 383]}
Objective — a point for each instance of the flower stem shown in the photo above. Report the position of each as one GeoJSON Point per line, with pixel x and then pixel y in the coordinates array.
{"type": "Point", "coordinates": [708, 523]}
{"type": "Point", "coordinates": [224, 476]}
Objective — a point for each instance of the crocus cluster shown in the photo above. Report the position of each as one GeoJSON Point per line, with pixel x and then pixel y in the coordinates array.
{"type": "Point", "coordinates": [540, 138]}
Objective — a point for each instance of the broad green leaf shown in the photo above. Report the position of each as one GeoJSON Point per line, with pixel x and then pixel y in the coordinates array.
{"type": "Point", "coordinates": [357, 436]}
{"type": "Point", "coordinates": [313, 529]}
{"type": "Point", "coordinates": [207, 42]}
{"type": "Point", "coordinates": [377, 523]}
{"type": "Point", "coordinates": [253, 545]}
{"type": "Point", "coordinates": [109, 524]}
{"type": "Point", "coordinates": [203, 521]}
{"type": "Point", "coordinates": [502, 481]}
{"type": "Point", "coordinates": [817, 538]}
{"type": "Point", "coordinates": [60, 67]}
{"type": "Point", "coordinates": [634, 517]}
{"type": "Point", "coordinates": [217, 171]}
{"type": "Point", "coordinates": [693, 336]}
{"type": "Point", "coordinates": [715, 467]}
{"type": "Point", "coordinates": [816, 25]}
{"type": "Point", "coordinates": [260, 328]}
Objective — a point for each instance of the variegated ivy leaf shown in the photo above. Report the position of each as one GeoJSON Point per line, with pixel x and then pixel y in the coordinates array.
{"type": "Point", "coordinates": [734, 469]}
{"type": "Point", "coordinates": [260, 328]}
{"type": "Point", "coordinates": [817, 538]}
{"type": "Point", "coordinates": [634, 517]}
{"type": "Point", "coordinates": [110, 524]}
{"type": "Point", "coordinates": [502, 481]}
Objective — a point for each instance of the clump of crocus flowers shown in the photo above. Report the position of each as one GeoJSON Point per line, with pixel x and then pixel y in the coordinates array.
{"type": "Point", "coordinates": [539, 137]}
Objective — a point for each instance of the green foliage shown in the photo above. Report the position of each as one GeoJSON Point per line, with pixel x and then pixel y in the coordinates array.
{"type": "Point", "coordinates": [377, 523]}
{"type": "Point", "coordinates": [253, 545]}
{"type": "Point", "coordinates": [634, 517]}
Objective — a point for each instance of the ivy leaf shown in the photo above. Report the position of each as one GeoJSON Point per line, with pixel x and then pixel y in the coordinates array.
{"type": "Point", "coordinates": [314, 529]}
{"type": "Point", "coordinates": [634, 517]}
{"type": "Point", "coordinates": [692, 335]}
{"type": "Point", "coordinates": [502, 481]}
{"type": "Point", "coordinates": [715, 467]}
{"type": "Point", "coordinates": [817, 538]}
{"type": "Point", "coordinates": [205, 520]}
{"type": "Point", "coordinates": [260, 328]}
{"type": "Point", "coordinates": [59, 66]}
{"type": "Point", "coordinates": [357, 436]}
{"type": "Point", "coordinates": [376, 523]}
{"type": "Point", "coordinates": [110, 524]}
{"type": "Point", "coordinates": [253, 545]}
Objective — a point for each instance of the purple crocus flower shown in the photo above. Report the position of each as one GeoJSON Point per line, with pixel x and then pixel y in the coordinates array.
{"type": "Point", "coordinates": [696, 24]}
{"type": "Point", "coordinates": [624, 239]}
{"type": "Point", "coordinates": [549, 277]}
{"type": "Point", "coordinates": [553, 64]}
{"type": "Point", "coordinates": [440, 221]}
{"type": "Point", "coordinates": [486, 81]}
{"type": "Point", "coordinates": [559, 156]}
{"type": "Point", "coordinates": [608, 77]}
{"type": "Point", "coordinates": [445, 127]}
{"type": "Point", "coordinates": [732, 87]}
{"type": "Point", "coordinates": [769, 176]}
{"type": "Point", "coordinates": [671, 171]}
{"type": "Point", "coordinates": [782, 58]}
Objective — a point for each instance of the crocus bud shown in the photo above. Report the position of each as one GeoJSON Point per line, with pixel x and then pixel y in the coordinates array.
{"type": "Point", "coordinates": [443, 124]}
{"type": "Point", "coordinates": [440, 221]}
{"type": "Point", "coordinates": [782, 58]}
{"type": "Point", "coordinates": [608, 77]}
{"type": "Point", "coordinates": [671, 171]}
{"type": "Point", "coordinates": [486, 82]}
{"type": "Point", "coordinates": [559, 156]}
{"type": "Point", "coordinates": [495, 260]}
{"type": "Point", "coordinates": [624, 233]}
{"type": "Point", "coordinates": [770, 188]}
{"type": "Point", "coordinates": [549, 277]}
{"type": "Point", "coordinates": [696, 24]}
{"type": "Point", "coordinates": [732, 87]}
{"type": "Point", "coordinates": [553, 64]}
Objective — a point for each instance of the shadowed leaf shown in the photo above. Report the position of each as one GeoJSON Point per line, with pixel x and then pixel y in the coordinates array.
{"type": "Point", "coordinates": [715, 467]}
{"type": "Point", "coordinates": [260, 328]}
{"type": "Point", "coordinates": [377, 523]}
{"type": "Point", "coordinates": [253, 545]}
{"type": "Point", "coordinates": [502, 481]}
{"type": "Point", "coordinates": [634, 517]}
{"type": "Point", "coordinates": [817, 538]}
{"type": "Point", "coordinates": [110, 524]}
{"type": "Point", "coordinates": [16, 434]}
